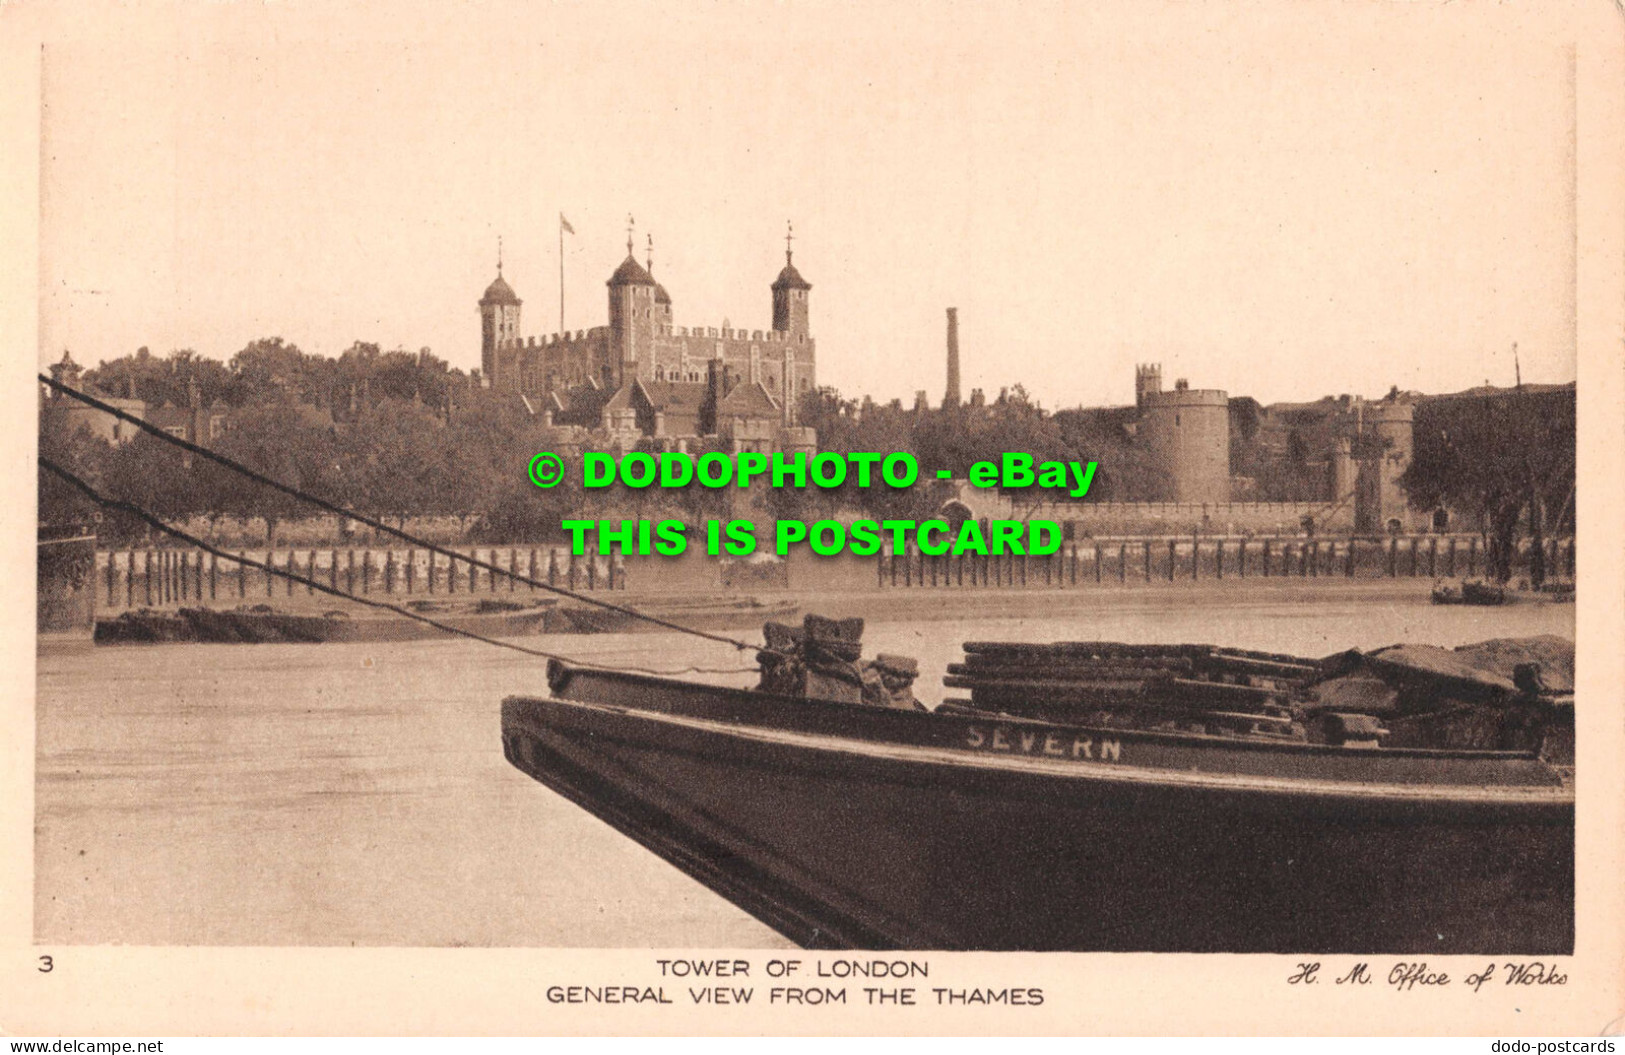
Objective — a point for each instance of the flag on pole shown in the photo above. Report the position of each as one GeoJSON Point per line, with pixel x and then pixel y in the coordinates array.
{"type": "Point", "coordinates": [564, 225]}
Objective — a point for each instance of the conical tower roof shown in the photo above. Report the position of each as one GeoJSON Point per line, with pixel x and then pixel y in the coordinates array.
{"type": "Point", "coordinates": [499, 292]}
{"type": "Point", "coordinates": [631, 273]}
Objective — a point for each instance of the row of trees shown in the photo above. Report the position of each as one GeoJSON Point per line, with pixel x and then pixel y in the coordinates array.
{"type": "Point", "coordinates": [396, 435]}
{"type": "Point", "coordinates": [271, 371]}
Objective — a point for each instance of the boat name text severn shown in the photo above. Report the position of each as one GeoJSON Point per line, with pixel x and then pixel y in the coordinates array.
{"type": "Point", "coordinates": [1038, 742]}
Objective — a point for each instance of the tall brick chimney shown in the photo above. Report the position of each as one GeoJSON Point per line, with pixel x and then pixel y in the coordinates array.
{"type": "Point", "coordinates": [951, 397]}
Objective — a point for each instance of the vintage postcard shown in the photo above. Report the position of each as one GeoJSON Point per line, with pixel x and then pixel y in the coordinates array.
{"type": "Point", "coordinates": [814, 518]}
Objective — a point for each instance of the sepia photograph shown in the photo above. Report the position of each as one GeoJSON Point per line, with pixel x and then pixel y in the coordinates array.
{"type": "Point", "coordinates": [865, 484]}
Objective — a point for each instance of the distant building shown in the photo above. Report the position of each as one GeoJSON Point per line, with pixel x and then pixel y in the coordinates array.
{"type": "Point", "coordinates": [194, 422]}
{"type": "Point", "coordinates": [1359, 448]}
{"type": "Point", "coordinates": [68, 415]}
{"type": "Point", "coordinates": [643, 378]}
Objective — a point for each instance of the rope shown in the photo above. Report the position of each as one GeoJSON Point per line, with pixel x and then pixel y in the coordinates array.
{"type": "Point", "coordinates": [112, 503]}
{"type": "Point", "coordinates": [378, 525]}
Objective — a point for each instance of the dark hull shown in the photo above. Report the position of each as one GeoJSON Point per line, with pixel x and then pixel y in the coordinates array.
{"type": "Point", "coordinates": [852, 827]}
{"type": "Point", "coordinates": [246, 627]}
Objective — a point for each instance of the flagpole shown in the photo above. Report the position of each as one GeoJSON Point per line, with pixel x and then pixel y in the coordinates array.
{"type": "Point", "coordinates": [561, 274]}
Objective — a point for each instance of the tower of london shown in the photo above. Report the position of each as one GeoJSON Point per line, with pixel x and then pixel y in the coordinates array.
{"type": "Point", "coordinates": [643, 376]}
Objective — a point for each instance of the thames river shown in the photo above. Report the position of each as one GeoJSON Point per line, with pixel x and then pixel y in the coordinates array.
{"type": "Point", "coordinates": [358, 795]}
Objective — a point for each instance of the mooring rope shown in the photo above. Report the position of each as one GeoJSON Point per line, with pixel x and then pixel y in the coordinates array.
{"type": "Point", "coordinates": [159, 524]}
{"type": "Point", "coordinates": [377, 525]}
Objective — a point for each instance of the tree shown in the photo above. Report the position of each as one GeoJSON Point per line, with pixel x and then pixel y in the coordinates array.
{"type": "Point", "coordinates": [1504, 458]}
{"type": "Point", "coordinates": [269, 370]}
{"type": "Point", "coordinates": [290, 442]}
{"type": "Point", "coordinates": [393, 461]}
{"type": "Point", "coordinates": [79, 452]}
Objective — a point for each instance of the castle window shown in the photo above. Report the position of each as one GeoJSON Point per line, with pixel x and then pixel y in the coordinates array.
{"type": "Point", "coordinates": [1176, 421]}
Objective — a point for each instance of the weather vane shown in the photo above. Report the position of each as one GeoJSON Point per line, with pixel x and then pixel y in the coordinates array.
{"type": "Point", "coordinates": [789, 235]}
{"type": "Point", "coordinates": [499, 254]}
{"type": "Point", "coordinates": [630, 223]}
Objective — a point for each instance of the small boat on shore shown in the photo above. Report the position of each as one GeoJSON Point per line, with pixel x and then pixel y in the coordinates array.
{"type": "Point", "coordinates": [847, 825]}
{"type": "Point", "coordinates": [707, 613]}
{"type": "Point", "coordinates": [1477, 593]}
{"type": "Point", "coordinates": [259, 624]}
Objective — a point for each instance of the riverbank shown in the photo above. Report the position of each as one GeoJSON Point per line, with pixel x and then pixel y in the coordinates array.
{"type": "Point", "coordinates": [279, 794]}
{"type": "Point", "coordinates": [934, 603]}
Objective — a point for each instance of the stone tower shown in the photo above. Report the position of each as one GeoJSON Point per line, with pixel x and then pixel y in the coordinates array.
{"type": "Point", "coordinates": [1186, 432]}
{"type": "Point", "coordinates": [632, 293]}
{"type": "Point", "coordinates": [499, 323]}
{"type": "Point", "coordinates": [950, 397]}
{"type": "Point", "coordinates": [1147, 382]}
{"type": "Point", "coordinates": [1345, 470]}
{"type": "Point", "coordinates": [1392, 423]}
{"type": "Point", "coordinates": [790, 299]}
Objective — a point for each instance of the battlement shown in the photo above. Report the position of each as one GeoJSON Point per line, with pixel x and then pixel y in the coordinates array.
{"type": "Point", "coordinates": [723, 333]}
{"type": "Point", "coordinates": [568, 337]}
{"type": "Point", "coordinates": [727, 333]}
{"type": "Point", "coordinates": [1188, 397]}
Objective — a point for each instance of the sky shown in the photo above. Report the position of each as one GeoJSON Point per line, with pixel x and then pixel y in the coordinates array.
{"type": "Point", "coordinates": [1279, 200]}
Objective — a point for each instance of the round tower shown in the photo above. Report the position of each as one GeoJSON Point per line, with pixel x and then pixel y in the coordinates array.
{"type": "Point", "coordinates": [499, 326]}
{"type": "Point", "coordinates": [1392, 423]}
{"type": "Point", "coordinates": [1186, 433]}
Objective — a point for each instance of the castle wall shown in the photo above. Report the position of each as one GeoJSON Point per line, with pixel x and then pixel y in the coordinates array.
{"type": "Point", "coordinates": [785, 364]}
{"type": "Point", "coordinates": [567, 359]}
{"type": "Point", "coordinates": [1106, 519]}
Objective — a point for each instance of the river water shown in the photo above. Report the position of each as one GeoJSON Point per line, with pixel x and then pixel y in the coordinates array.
{"type": "Point", "coordinates": [357, 794]}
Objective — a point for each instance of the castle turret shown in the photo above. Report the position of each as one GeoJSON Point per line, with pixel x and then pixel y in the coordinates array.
{"type": "Point", "coordinates": [1392, 423]}
{"type": "Point", "coordinates": [662, 298]}
{"type": "Point", "coordinates": [499, 324]}
{"type": "Point", "coordinates": [1186, 432]}
{"type": "Point", "coordinates": [65, 372]}
{"type": "Point", "coordinates": [790, 298]}
{"type": "Point", "coordinates": [631, 320]}
{"type": "Point", "coordinates": [1147, 382]}
{"type": "Point", "coordinates": [1345, 470]}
